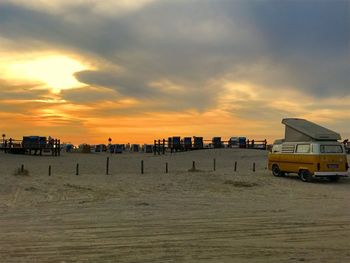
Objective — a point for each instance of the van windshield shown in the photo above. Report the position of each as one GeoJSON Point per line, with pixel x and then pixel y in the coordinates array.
{"type": "Point", "coordinates": [331, 149]}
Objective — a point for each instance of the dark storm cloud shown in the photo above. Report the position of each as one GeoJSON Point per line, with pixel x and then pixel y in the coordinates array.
{"type": "Point", "coordinates": [311, 40]}
{"type": "Point", "coordinates": [304, 26]}
{"type": "Point", "coordinates": [300, 44]}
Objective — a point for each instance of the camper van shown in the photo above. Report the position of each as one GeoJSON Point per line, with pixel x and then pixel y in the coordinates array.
{"type": "Point", "coordinates": [308, 150]}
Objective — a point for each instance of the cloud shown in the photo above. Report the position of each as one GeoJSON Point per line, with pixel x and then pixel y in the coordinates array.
{"type": "Point", "coordinates": [61, 6]}
{"type": "Point", "coordinates": [179, 56]}
{"type": "Point", "coordinates": [21, 90]}
{"type": "Point", "coordinates": [311, 41]}
{"type": "Point", "coordinates": [89, 94]}
{"type": "Point", "coordinates": [190, 45]}
{"type": "Point", "coordinates": [311, 27]}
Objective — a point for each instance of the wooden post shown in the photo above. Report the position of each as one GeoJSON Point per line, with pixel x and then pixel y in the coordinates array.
{"type": "Point", "coordinates": [59, 147]}
{"type": "Point", "coordinates": [22, 168]}
{"type": "Point", "coordinates": [163, 146]}
{"type": "Point", "coordinates": [254, 167]}
{"type": "Point", "coordinates": [107, 166]}
{"type": "Point", "coordinates": [142, 171]}
{"type": "Point", "coordinates": [166, 168]}
{"type": "Point", "coordinates": [155, 147]}
{"type": "Point", "coordinates": [235, 166]}
{"type": "Point", "coordinates": [49, 170]}
{"type": "Point", "coordinates": [214, 164]}
{"type": "Point", "coordinates": [193, 165]}
{"type": "Point", "coordinates": [77, 169]}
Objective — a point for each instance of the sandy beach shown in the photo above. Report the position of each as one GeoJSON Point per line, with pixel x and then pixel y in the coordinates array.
{"type": "Point", "coordinates": [180, 216]}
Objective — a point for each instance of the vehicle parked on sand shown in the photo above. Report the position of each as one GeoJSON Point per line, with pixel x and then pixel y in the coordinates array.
{"type": "Point", "coordinates": [315, 159]}
{"type": "Point", "coordinates": [310, 151]}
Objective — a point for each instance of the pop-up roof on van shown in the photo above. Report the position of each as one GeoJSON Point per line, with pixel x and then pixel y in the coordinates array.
{"type": "Point", "coordinates": [303, 130]}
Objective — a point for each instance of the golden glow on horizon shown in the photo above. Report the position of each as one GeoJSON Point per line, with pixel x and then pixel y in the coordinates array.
{"type": "Point", "coordinates": [55, 71]}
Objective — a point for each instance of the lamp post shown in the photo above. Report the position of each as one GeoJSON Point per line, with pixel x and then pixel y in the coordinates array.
{"type": "Point", "coordinates": [109, 144]}
{"type": "Point", "coordinates": [3, 138]}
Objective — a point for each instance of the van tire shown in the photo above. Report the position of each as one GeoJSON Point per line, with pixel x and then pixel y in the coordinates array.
{"type": "Point", "coordinates": [276, 171]}
{"type": "Point", "coordinates": [334, 178]}
{"type": "Point", "coordinates": [305, 176]}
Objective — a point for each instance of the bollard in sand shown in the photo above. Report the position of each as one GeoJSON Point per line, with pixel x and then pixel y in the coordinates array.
{"type": "Point", "coordinates": [193, 169]}
{"type": "Point", "coordinates": [107, 166]}
{"type": "Point", "coordinates": [77, 169]}
{"type": "Point", "coordinates": [49, 170]}
{"type": "Point", "coordinates": [142, 171]}
{"type": "Point", "coordinates": [214, 164]}
{"type": "Point", "coordinates": [166, 168]}
{"type": "Point", "coordinates": [22, 168]}
{"type": "Point", "coordinates": [253, 167]}
{"type": "Point", "coordinates": [235, 166]}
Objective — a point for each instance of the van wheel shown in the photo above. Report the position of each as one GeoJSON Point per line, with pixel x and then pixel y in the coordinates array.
{"type": "Point", "coordinates": [305, 176]}
{"type": "Point", "coordinates": [276, 171]}
{"type": "Point", "coordinates": [334, 178]}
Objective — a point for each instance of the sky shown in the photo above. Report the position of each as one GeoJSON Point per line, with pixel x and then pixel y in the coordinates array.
{"type": "Point", "coordinates": [139, 70]}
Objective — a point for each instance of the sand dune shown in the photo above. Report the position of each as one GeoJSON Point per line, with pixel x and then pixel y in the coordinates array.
{"type": "Point", "coordinates": [182, 216]}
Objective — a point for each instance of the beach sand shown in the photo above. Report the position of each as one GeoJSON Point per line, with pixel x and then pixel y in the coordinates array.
{"type": "Point", "coordinates": [181, 216]}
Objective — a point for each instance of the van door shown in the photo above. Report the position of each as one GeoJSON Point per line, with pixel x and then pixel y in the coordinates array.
{"type": "Point", "coordinates": [304, 158]}
{"type": "Point", "coordinates": [287, 158]}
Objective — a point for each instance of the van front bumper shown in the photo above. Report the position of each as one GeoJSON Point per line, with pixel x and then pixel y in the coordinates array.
{"type": "Point", "coordinates": [326, 174]}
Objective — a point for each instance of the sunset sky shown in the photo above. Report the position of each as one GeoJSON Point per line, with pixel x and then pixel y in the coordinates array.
{"type": "Point", "coordinates": [136, 70]}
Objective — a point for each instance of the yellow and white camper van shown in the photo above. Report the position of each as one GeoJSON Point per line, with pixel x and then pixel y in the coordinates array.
{"type": "Point", "coordinates": [308, 150]}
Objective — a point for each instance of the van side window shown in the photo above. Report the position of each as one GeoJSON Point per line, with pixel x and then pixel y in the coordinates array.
{"type": "Point", "coordinates": [331, 149]}
{"type": "Point", "coordinates": [303, 148]}
{"type": "Point", "coordinates": [276, 148]}
{"type": "Point", "coordinates": [287, 148]}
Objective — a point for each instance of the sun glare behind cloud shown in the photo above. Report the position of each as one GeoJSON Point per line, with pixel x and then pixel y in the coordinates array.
{"type": "Point", "coordinates": [55, 71]}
